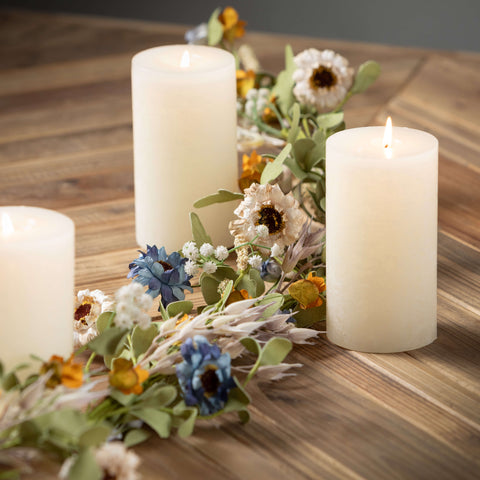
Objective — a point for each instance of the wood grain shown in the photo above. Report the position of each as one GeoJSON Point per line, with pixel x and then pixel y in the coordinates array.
{"type": "Point", "coordinates": [66, 143]}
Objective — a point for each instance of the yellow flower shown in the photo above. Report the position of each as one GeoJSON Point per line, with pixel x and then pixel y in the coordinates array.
{"type": "Point", "coordinates": [233, 27]}
{"type": "Point", "coordinates": [307, 291]}
{"type": "Point", "coordinates": [252, 167]}
{"type": "Point", "coordinates": [237, 296]}
{"type": "Point", "coordinates": [66, 372]}
{"type": "Point", "coordinates": [245, 82]}
{"type": "Point", "coordinates": [126, 378]}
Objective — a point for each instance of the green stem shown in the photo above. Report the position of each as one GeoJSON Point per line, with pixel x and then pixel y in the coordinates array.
{"type": "Point", "coordinates": [252, 371]}
{"type": "Point", "coordinates": [89, 362]}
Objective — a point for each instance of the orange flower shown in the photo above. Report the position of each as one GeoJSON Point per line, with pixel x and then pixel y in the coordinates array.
{"type": "Point", "coordinates": [233, 27]}
{"type": "Point", "coordinates": [237, 296]}
{"type": "Point", "coordinates": [66, 372]}
{"type": "Point", "coordinates": [126, 378]}
{"type": "Point", "coordinates": [252, 167]}
{"type": "Point", "coordinates": [245, 82]}
{"type": "Point", "coordinates": [307, 291]}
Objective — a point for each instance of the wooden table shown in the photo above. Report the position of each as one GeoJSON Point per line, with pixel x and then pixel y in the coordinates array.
{"type": "Point", "coordinates": [66, 144]}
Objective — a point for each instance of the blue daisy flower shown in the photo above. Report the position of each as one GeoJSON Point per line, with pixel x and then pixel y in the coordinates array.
{"type": "Point", "coordinates": [164, 274]}
{"type": "Point", "coordinates": [204, 375]}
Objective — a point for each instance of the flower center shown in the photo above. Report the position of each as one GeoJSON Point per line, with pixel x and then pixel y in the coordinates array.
{"type": "Point", "coordinates": [323, 77]}
{"type": "Point", "coordinates": [210, 381]}
{"type": "Point", "coordinates": [81, 312]}
{"type": "Point", "coordinates": [166, 266]}
{"type": "Point", "coordinates": [271, 218]}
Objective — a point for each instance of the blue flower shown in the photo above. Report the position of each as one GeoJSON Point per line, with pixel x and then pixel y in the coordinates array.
{"type": "Point", "coordinates": [271, 270]}
{"type": "Point", "coordinates": [204, 375]}
{"type": "Point", "coordinates": [164, 274]}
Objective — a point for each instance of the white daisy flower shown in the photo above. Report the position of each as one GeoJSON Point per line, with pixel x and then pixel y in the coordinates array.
{"type": "Point", "coordinates": [262, 231]}
{"type": "Point", "coordinates": [277, 250]}
{"type": "Point", "coordinates": [191, 268]}
{"type": "Point", "coordinates": [207, 249]}
{"type": "Point", "coordinates": [267, 205]}
{"type": "Point", "coordinates": [322, 78]}
{"type": "Point", "coordinates": [255, 261]}
{"type": "Point", "coordinates": [190, 251]}
{"type": "Point", "coordinates": [221, 253]}
{"type": "Point", "coordinates": [209, 267]}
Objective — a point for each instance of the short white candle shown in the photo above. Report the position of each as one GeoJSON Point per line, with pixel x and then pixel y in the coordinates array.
{"type": "Point", "coordinates": [381, 245]}
{"type": "Point", "coordinates": [36, 284]}
{"type": "Point", "coordinates": [184, 124]}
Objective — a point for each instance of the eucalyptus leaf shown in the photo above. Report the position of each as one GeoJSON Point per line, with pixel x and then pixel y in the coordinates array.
{"type": "Point", "coordinates": [251, 345]}
{"type": "Point", "coordinates": [186, 427]}
{"type": "Point", "coordinates": [275, 351]}
{"type": "Point", "coordinates": [10, 381]}
{"type": "Point", "coordinates": [308, 317]}
{"type": "Point", "coordinates": [198, 231]}
{"type": "Point", "coordinates": [142, 339]}
{"type": "Point", "coordinates": [367, 73]}
{"type": "Point", "coordinates": [214, 28]}
{"type": "Point", "coordinates": [94, 436]}
{"type": "Point", "coordinates": [303, 150]}
{"type": "Point", "coordinates": [182, 306]}
{"type": "Point", "coordinates": [209, 283]}
{"type": "Point", "coordinates": [159, 396]}
{"type": "Point", "coordinates": [295, 168]}
{"type": "Point", "coordinates": [283, 88]}
{"type": "Point", "coordinates": [322, 204]}
{"type": "Point", "coordinates": [158, 421]}
{"type": "Point", "coordinates": [274, 169]}
{"type": "Point", "coordinates": [329, 120]}
{"type": "Point", "coordinates": [221, 196]}
{"type": "Point", "coordinates": [104, 321]}
{"type": "Point", "coordinates": [136, 436]}
{"type": "Point", "coordinates": [243, 415]}
{"type": "Point", "coordinates": [252, 282]}
{"type": "Point", "coordinates": [109, 342]}
{"type": "Point", "coordinates": [274, 302]}
{"type": "Point", "coordinates": [240, 393]}
{"type": "Point", "coordinates": [85, 467]}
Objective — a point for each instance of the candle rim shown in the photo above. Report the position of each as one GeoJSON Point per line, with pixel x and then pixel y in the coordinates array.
{"type": "Point", "coordinates": [139, 60]}
{"type": "Point", "coordinates": [334, 143]}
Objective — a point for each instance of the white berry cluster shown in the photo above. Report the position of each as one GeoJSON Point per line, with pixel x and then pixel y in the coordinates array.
{"type": "Point", "coordinates": [131, 306]}
{"type": "Point", "coordinates": [206, 258]}
{"type": "Point", "coordinates": [256, 99]}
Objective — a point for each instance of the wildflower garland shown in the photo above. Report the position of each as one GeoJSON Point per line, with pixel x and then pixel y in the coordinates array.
{"type": "Point", "coordinates": [149, 376]}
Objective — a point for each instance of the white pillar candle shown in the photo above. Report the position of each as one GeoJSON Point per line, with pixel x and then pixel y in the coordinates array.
{"type": "Point", "coordinates": [184, 125]}
{"type": "Point", "coordinates": [381, 245]}
{"type": "Point", "coordinates": [36, 284]}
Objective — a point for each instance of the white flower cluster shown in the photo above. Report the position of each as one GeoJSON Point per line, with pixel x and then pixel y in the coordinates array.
{"type": "Point", "coordinates": [256, 99]}
{"type": "Point", "coordinates": [207, 257]}
{"type": "Point", "coordinates": [132, 302]}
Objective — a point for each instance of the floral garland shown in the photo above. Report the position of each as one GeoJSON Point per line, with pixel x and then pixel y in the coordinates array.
{"type": "Point", "coordinates": [160, 376]}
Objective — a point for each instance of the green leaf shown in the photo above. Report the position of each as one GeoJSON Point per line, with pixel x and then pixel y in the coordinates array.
{"type": "Point", "coordinates": [158, 421]}
{"type": "Point", "coordinates": [12, 474]}
{"type": "Point", "coordinates": [214, 28]}
{"type": "Point", "coordinates": [182, 306]}
{"type": "Point", "coordinates": [283, 88]}
{"type": "Point", "coordinates": [94, 436]}
{"type": "Point", "coordinates": [274, 302]}
{"type": "Point", "coordinates": [136, 436]}
{"type": "Point", "coordinates": [159, 396]}
{"type": "Point", "coordinates": [275, 351]}
{"type": "Point", "coordinates": [198, 231]}
{"type": "Point", "coordinates": [252, 282]}
{"type": "Point", "coordinates": [10, 381]}
{"type": "Point", "coordinates": [308, 317]}
{"type": "Point", "coordinates": [186, 427]}
{"type": "Point", "coordinates": [109, 342]}
{"type": "Point", "coordinates": [142, 339]}
{"type": "Point", "coordinates": [307, 153]}
{"type": "Point", "coordinates": [221, 196]}
{"type": "Point", "coordinates": [244, 416]}
{"type": "Point", "coordinates": [251, 345]}
{"type": "Point", "coordinates": [367, 73]}
{"type": "Point", "coordinates": [322, 203]}
{"type": "Point", "coordinates": [295, 168]}
{"type": "Point", "coordinates": [329, 120]}
{"type": "Point", "coordinates": [85, 467]}
{"type": "Point", "coordinates": [239, 393]}
{"type": "Point", "coordinates": [295, 125]}
{"type": "Point", "coordinates": [105, 320]}
{"type": "Point", "coordinates": [209, 283]}
{"type": "Point", "coordinates": [274, 169]}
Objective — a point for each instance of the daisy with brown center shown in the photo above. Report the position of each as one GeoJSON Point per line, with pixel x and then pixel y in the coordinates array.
{"type": "Point", "coordinates": [267, 205]}
{"type": "Point", "coordinates": [322, 78]}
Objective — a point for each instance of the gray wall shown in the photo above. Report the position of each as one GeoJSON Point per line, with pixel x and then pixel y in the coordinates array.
{"type": "Point", "coordinates": [444, 24]}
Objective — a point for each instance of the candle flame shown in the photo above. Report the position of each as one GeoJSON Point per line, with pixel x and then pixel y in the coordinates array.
{"type": "Point", "coordinates": [7, 225]}
{"type": "Point", "coordinates": [185, 61]}
{"type": "Point", "coordinates": [387, 138]}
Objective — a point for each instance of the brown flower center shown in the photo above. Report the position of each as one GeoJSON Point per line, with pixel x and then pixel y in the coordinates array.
{"type": "Point", "coordinates": [82, 311]}
{"type": "Point", "coordinates": [271, 218]}
{"type": "Point", "coordinates": [323, 77]}
{"type": "Point", "coordinates": [210, 381]}
{"type": "Point", "coordinates": [166, 266]}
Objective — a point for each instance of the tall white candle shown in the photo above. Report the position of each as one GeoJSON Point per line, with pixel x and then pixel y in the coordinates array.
{"type": "Point", "coordinates": [381, 245]}
{"type": "Point", "coordinates": [36, 284]}
{"type": "Point", "coordinates": [184, 124]}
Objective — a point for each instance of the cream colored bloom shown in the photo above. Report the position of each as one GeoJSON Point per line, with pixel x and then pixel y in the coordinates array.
{"type": "Point", "coordinates": [267, 205]}
{"type": "Point", "coordinates": [322, 78]}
